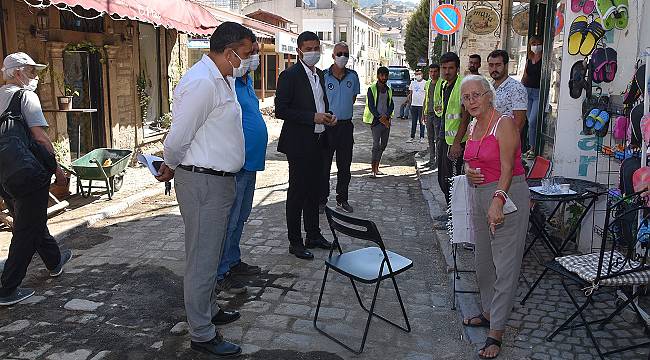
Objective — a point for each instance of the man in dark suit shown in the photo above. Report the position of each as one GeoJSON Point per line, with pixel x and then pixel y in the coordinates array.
{"type": "Point", "coordinates": [301, 101]}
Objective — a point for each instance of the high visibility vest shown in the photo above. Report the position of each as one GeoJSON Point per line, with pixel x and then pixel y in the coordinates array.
{"type": "Point", "coordinates": [368, 117]}
{"type": "Point", "coordinates": [453, 114]}
{"type": "Point", "coordinates": [437, 96]}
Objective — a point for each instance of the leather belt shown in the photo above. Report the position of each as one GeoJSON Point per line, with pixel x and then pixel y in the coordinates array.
{"type": "Point", "coordinates": [202, 170]}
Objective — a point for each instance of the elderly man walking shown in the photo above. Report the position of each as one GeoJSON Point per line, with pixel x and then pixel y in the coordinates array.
{"type": "Point", "coordinates": [342, 89]}
{"type": "Point", "coordinates": [26, 193]}
{"type": "Point", "coordinates": [203, 151]}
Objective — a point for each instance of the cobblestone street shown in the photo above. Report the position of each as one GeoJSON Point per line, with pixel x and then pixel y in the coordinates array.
{"type": "Point", "coordinates": [122, 293]}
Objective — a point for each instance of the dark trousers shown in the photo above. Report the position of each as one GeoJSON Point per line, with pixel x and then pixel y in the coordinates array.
{"type": "Point", "coordinates": [340, 139]}
{"type": "Point", "coordinates": [30, 235]}
{"type": "Point", "coordinates": [432, 135]}
{"type": "Point", "coordinates": [380, 134]}
{"type": "Point", "coordinates": [416, 115]}
{"type": "Point", "coordinates": [305, 175]}
{"type": "Point", "coordinates": [447, 168]}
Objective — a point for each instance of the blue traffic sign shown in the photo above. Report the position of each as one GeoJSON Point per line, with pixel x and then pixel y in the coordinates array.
{"type": "Point", "coordinates": [446, 19]}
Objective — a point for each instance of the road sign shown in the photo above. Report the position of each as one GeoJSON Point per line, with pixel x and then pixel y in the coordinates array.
{"type": "Point", "coordinates": [446, 19]}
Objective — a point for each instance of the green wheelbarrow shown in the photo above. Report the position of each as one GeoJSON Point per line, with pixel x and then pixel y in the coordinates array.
{"type": "Point", "coordinates": [107, 165]}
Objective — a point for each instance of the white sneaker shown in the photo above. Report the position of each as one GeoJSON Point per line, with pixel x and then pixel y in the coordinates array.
{"type": "Point", "coordinates": [410, 140]}
{"type": "Point", "coordinates": [421, 140]}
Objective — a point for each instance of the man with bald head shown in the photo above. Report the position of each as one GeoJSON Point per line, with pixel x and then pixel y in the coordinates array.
{"type": "Point", "coordinates": [342, 86]}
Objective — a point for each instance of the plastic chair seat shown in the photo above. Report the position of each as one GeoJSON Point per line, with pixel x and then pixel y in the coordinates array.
{"type": "Point", "coordinates": [363, 265]}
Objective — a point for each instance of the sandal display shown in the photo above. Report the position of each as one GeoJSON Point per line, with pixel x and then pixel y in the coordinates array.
{"type": "Point", "coordinates": [585, 6]}
{"type": "Point", "coordinates": [592, 35]}
{"type": "Point", "coordinates": [577, 34]}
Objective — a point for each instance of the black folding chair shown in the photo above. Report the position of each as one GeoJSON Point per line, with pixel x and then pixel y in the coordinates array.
{"type": "Point", "coordinates": [621, 263]}
{"type": "Point", "coordinates": [370, 265]}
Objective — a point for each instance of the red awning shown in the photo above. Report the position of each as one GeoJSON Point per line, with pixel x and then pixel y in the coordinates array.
{"type": "Point", "coordinates": [181, 15]}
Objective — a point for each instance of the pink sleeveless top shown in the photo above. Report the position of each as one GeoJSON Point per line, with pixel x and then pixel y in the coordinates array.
{"type": "Point", "coordinates": [486, 156]}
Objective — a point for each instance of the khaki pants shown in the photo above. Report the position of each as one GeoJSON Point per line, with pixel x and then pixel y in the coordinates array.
{"type": "Point", "coordinates": [498, 257]}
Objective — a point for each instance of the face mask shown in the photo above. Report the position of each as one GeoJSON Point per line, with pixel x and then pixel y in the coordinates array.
{"type": "Point", "coordinates": [341, 61]}
{"type": "Point", "coordinates": [30, 84]}
{"type": "Point", "coordinates": [418, 77]}
{"type": "Point", "coordinates": [244, 65]}
{"type": "Point", "coordinates": [255, 62]}
{"type": "Point", "coordinates": [536, 49]}
{"type": "Point", "coordinates": [311, 58]}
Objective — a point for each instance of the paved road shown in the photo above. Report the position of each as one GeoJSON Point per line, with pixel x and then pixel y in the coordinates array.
{"type": "Point", "coordinates": [122, 294]}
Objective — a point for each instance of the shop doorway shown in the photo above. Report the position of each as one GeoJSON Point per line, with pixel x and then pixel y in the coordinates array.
{"type": "Point", "coordinates": [83, 75]}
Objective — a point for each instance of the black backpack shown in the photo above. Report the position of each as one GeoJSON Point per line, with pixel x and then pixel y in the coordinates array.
{"type": "Point", "coordinates": [25, 165]}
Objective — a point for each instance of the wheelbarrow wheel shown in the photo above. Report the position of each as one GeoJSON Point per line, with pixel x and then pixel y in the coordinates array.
{"type": "Point", "coordinates": [118, 181]}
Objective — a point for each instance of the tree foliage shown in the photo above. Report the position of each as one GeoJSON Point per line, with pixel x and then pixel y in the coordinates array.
{"type": "Point", "coordinates": [417, 36]}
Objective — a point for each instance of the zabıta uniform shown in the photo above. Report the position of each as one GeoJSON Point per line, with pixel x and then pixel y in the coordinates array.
{"type": "Point", "coordinates": [452, 111]}
{"type": "Point", "coordinates": [368, 117]}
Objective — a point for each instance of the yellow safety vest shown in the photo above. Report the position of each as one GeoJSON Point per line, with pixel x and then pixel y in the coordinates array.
{"type": "Point", "coordinates": [453, 114]}
{"type": "Point", "coordinates": [437, 96]}
{"type": "Point", "coordinates": [368, 117]}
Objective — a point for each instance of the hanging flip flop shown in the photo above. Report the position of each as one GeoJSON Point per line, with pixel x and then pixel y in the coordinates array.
{"type": "Point", "coordinates": [577, 34]}
{"type": "Point", "coordinates": [589, 7]}
{"type": "Point", "coordinates": [621, 123]}
{"type": "Point", "coordinates": [602, 124]}
{"type": "Point", "coordinates": [576, 83]}
{"type": "Point", "coordinates": [636, 86]}
{"type": "Point", "coordinates": [622, 14]}
{"type": "Point", "coordinates": [606, 10]}
{"type": "Point", "coordinates": [589, 122]}
{"type": "Point", "coordinates": [594, 33]}
{"type": "Point", "coordinates": [577, 5]}
{"type": "Point", "coordinates": [609, 70]}
{"type": "Point", "coordinates": [598, 59]}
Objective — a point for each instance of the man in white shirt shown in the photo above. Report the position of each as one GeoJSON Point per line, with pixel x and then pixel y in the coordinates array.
{"type": "Point", "coordinates": [301, 101]}
{"type": "Point", "coordinates": [203, 151]}
{"type": "Point", "coordinates": [511, 96]}
{"type": "Point", "coordinates": [418, 94]}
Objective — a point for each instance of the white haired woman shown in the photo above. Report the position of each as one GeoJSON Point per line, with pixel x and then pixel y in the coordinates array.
{"type": "Point", "coordinates": [496, 176]}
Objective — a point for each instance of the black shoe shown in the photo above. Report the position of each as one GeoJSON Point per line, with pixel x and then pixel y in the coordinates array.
{"type": "Point", "coordinates": [225, 317]}
{"type": "Point", "coordinates": [66, 255]}
{"type": "Point", "coordinates": [442, 218]}
{"type": "Point", "coordinates": [17, 296]}
{"type": "Point", "coordinates": [301, 253]}
{"type": "Point", "coordinates": [321, 208]}
{"type": "Point", "coordinates": [468, 246]}
{"type": "Point", "coordinates": [231, 285]}
{"type": "Point", "coordinates": [217, 346]}
{"type": "Point", "coordinates": [344, 206]}
{"type": "Point", "coordinates": [245, 269]}
{"type": "Point", "coordinates": [319, 242]}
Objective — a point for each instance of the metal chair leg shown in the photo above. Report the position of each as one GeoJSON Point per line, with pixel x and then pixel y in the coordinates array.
{"type": "Point", "coordinates": [401, 304]}
{"type": "Point", "coordinates": [356, 291]}
{"type": "Point", "coordinates": [320, 296]}
{"type": "Point", "coordinates": [530, 291]}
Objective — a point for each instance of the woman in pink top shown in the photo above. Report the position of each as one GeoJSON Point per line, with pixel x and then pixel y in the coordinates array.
{"type": "Point", "coordinates": [496, 175]}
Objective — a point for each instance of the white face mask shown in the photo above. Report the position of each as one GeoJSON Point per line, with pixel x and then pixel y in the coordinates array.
{"type": "Point", "coordinates": [311, 58]}
{"type": "Point", "coordinates": [255, 62]}
{"type": "Point", "coordinates": [418, 77]}
{"type": "Point", "coordinates": [29, 84]}
{"type": "Point", "coordinates": [536, 49]}
{"type": "Point", "coordinates": [244, 65]}
{"type": "Point", "coordinates": [341, 61]}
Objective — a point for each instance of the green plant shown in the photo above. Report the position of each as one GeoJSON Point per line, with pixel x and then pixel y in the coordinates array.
{"type": "Point", "coordinates": [61, 152]}
{"type": "Point", "coordinates": [143, 97]}
{"type": "Point", "coordinates": [59, 82]}
{"type": "Point", "coordinates": [165, 121]}
{"type": "Point", "coordinates": [83, 46]}
{"type": "Point", "coordinates": [575, 211]}
{"type": "Point", "coordinates": [70, 91]}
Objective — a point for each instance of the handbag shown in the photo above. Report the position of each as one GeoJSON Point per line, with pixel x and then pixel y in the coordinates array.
{"type": "Point", "coordinates": [461, 229]}
{"type": "Point", "coordinates": [25, 165]}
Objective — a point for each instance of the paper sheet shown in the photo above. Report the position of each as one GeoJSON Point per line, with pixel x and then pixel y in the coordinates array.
{"type": "Point", "coordinates": [152, 162]}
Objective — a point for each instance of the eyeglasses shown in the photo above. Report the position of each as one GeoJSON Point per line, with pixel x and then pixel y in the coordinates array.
{"type": "Point", "coordinates": [340, 53]}
{"type": "Point", "coordinates": [473, 96]}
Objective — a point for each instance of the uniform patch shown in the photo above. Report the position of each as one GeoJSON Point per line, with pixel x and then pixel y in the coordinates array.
{"type": "Point", "coordinates": [349, 83]}
{"type": "Point", "coordinates": [330, 86]}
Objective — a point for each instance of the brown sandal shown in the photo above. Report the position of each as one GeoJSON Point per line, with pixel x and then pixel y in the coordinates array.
{"type": "Point", "coordinates": [489, 342]}
{"type": "Point", "coordinates": [484, 321]}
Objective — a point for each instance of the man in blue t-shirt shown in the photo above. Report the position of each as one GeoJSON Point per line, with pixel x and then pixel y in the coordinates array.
{"type": "Point", "coordinates": [255, 138]}
{"type": "Point", "coordinates": [342, 86]}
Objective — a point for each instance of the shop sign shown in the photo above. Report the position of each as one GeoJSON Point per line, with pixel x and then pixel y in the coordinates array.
{"type": "Point", "coordinates": [482, 21]}
{"type": "Point", "coordinates": [198, 44]}
{"type": "Point", "coordinates": [286, 43]}
{"type": "Point", "coordinates": [520, 23]}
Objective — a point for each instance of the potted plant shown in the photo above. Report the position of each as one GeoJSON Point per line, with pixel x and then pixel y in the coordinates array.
{"type": "Point", "coordinates": [65, 101]}
{"type": "Point", "coordinates": [62, 154]}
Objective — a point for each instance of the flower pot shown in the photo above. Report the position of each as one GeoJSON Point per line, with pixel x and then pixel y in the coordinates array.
{"type": "Point", "coordinates": [65, 102]}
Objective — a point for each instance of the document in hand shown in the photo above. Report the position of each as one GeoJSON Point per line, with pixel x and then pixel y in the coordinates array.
{"type": "Point", "coordinates": [152, 162]}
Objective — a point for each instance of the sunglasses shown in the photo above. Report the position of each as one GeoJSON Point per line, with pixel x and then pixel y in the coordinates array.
{"type": "Point", "coordinates": [339, 54]}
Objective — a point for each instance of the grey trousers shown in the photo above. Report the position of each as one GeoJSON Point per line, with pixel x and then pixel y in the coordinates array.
{"type": "Point", "coordinates": [498, 257]}
{"type": "Point", "coordinates": [380, 134]}
{"type": "Point", "coordinates": [431, 137]}
{"type": "Point", "coordinates": [205, 202]}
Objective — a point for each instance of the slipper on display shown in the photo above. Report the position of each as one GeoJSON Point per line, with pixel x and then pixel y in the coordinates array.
{"type": "Point", "coordinates": [577, 34]}
{"type": "Point", "coordinates": [611, 66]}
{"type": "Point", "coordinates": [602, 132]}
{"type": "Point", "coordinates": [636, 86]}
{"type": "Point", "coordinates": [621, 123]}
{"type": "Point", "coordinates": [598, 59]}
{"type": "Point", "coordinates": [576, 83]}
{"type": "Point", "coordinates": [622, 14]}
{"type": "Point", "coordinates": [577, 5]}
{"type": "Point", "coordinates": [589, 122]}
{"type": "Point", "coordinates": [586, 6]}
{"type": "Point", "coordinates": [606, 11]}
{"type": "Point", "coordinates": [602, 120]}
{"type": "Point", "coordinates": [589, 7]}
{"type": "Point", "coordinates": [635, 120]}
{"type": "Point", "coordinates": [645, 128]}
{"type": "Point", "coordinates": [593, 34]}
{"type": "Point", "coordinates": [641, 178]}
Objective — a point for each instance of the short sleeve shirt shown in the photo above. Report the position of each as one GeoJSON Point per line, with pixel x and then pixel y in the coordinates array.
{"type": "Point", "coordinates": [418, 92]}
{"type": "Point", "coordinates": [30, 106]}
{"type": "Point", "coordinates": [340, 93]}
{"type": "Point", "coordinates": [511, 96]}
